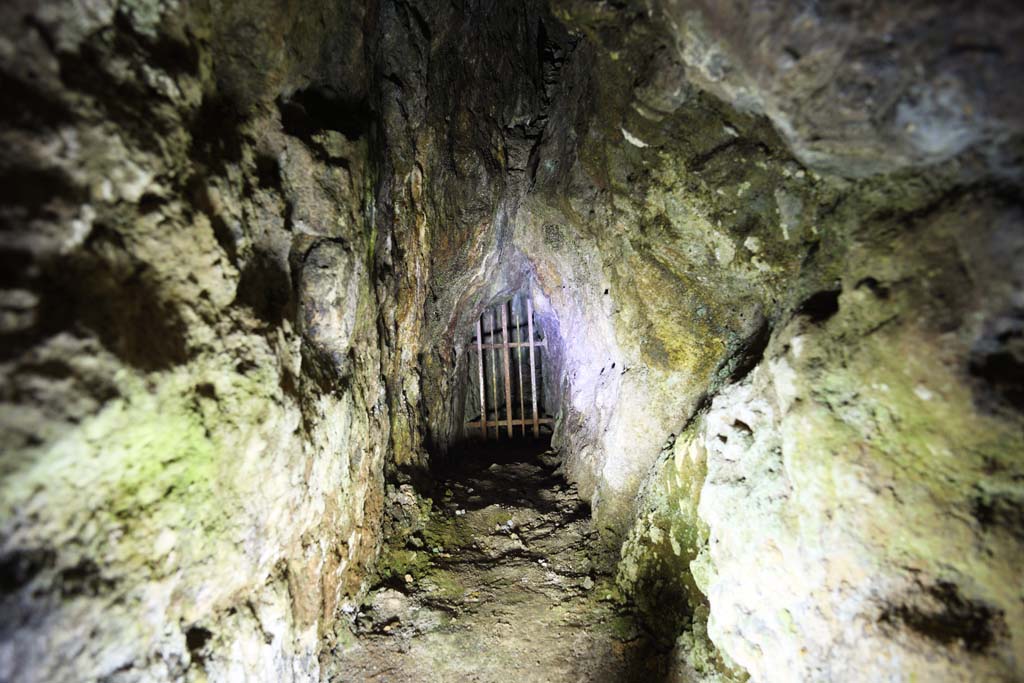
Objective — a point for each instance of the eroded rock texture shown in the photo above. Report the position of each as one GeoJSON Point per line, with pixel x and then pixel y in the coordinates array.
{"type": "Point", "coordinates": [776, 249]}
{"type": "Point", "coordinates": [194, 423]}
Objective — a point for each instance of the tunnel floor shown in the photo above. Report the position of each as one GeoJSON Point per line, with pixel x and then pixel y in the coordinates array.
{"type": "Point", "coordinates": [508, 587]}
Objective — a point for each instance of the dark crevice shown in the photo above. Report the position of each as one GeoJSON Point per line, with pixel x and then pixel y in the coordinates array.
{"type": "Point", "coordinates": [820, 306]}
{"type": "Point", "coordinates": [196, 640]}
{"type": "Point", "coordinates": [268, 172]}
{"type": "Point", "coordinates": [751, 353]}
{"type": "Point", "coordinates": [24, 106]}
{"type": "Point", "coordinates": [216, 141]}
{"type": "Point", "coordinates": [20, 566]}
{"type": "Point", "coordinates": [84, 578]}
{"type": "Point", "coordinates": [999, 511]}
{"type": "Point", "coordinates": [742, 426]}
{"type": "Point", "coordinates": [996, 362]}
{"type": "Point", "coordinates": [874, 286]}
{"type": "Point", "coordinates": [35, 188]}
{"type": "Point", "coordinates": [265, 287]}
{"type": "Point", "coordinates": [942, 614]}
{"type": "Point", "coordinates": [312, 110]}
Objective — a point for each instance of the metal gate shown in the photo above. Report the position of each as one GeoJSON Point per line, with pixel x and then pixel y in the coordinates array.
{"type": "Point", "coordinates": [512, 355]}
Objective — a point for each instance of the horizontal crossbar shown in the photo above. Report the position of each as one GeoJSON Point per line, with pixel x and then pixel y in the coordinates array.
{"type": "Point", "coordinates": [515, 423]}
{"type": "Point", "coordinates": [514, 345]}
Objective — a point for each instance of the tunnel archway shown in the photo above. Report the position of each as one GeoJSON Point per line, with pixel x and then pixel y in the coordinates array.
{"type": "Point", "coordinates": [508, 374]}
{"type": "Point", "coordinates": [776, 252]}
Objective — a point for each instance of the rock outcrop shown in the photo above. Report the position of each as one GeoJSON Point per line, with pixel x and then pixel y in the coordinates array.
{"type": "Point", "coordinates": [194, 422]}
{"type": "Point", "coordinates": [775, 248]}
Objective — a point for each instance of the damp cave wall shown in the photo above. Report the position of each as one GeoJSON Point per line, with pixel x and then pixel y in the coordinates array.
{"type": "Point", "coordinates": [797, 298]}
{"type": "Point", "coordinates": [195, 420]}
{"type": "Point", "coordinates": [795, 231]}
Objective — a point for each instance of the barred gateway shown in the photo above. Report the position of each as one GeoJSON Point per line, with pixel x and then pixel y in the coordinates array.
{"type": "Point", "coordinates": [512, 353]}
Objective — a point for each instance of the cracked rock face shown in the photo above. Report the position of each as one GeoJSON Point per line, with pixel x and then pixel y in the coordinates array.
{"type": "Point", "coordinates": [193, 430]}
{"type": "Point", "coordinates": [855, 490]}
{"type": "Point", "coordinates": [860, 88]}
{"type": "Point", "coordinates": [835, 508]}
{"type": "Point", "coordinates": [776, 250]}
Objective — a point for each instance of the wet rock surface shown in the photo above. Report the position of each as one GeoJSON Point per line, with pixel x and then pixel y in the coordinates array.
{"type": "Point", "coordinates": [776, 249]}
{"type": "Point", "coordinates": [190, 412]}
{"type": "Point", "coordinates": [505, 581]}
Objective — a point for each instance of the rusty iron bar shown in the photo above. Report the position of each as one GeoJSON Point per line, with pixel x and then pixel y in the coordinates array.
{"type": "Point", "coordinates": [505, 346]}
{"type": "Point", "coordinates": [480, 366]}
{"type": "Point", "coordinates": [507, 362]}
{"type": "Point", "coordinates": [488, 333]}
{"type": "Point", "coordinates": [517, 345]}
{"type": "Point", "coordinates": [519, 362]}
{"type": "Point", "coordinates": [494, 381]}
{"type": "Point", "coordinates": [533, 365]}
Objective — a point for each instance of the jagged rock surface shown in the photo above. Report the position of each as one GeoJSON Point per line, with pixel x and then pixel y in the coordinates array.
{"type": "Point", "coordinates": [775, 248]}
{"type": "Point", "coordinates": [193, 425]}
{"type": "Point", "coordinates": [504, 580]}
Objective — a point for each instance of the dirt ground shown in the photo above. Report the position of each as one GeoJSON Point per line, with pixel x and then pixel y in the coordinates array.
{"type": "Point", "coordinates": [507, 584]}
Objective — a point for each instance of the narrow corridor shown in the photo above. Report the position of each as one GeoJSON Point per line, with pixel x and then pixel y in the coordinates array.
{"type": "Point", "coordinates": [507, 584]}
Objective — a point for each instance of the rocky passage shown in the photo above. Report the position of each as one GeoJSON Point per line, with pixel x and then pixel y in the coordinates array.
{"type": "Point", "coordinates": [775, 252]}
{"type": "Point", "coordinates": [504, 581]}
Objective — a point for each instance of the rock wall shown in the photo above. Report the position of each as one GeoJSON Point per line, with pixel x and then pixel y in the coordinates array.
{"type": "Point", "coordinates": [463, 101]}
{"type": "Point", "coordinates": [863, 507]}
{"type": "Point", "coordinates": [194, 420]}
{"type": "Point", "coordinates": [658, 242]}
{"type": "Point", "coordinates": [850, 508]}
{"type": "Point", "coordinates": [775, 250]}
{"type": "Point", "coordinates": [804, 432]}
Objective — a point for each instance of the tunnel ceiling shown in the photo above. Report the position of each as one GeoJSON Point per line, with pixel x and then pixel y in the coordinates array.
{"type": "Point", "coordinates": [776, 248]}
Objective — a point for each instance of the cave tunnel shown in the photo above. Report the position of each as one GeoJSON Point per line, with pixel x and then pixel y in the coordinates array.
{"type": "Point", "coordinates": [273, 273]}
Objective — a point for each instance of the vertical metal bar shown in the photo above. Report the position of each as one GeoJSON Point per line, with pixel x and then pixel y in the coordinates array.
{"type": "Point", "coordinates": [519, 364]}
{"type": "Point", "coordinates": [508, 374]}
{"type": "Point", "coordinates": [494, 378]}
{"type": "Point", "coordinates": [533, 365]}
{"type": "Point", "coordinates": [480, 366]}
